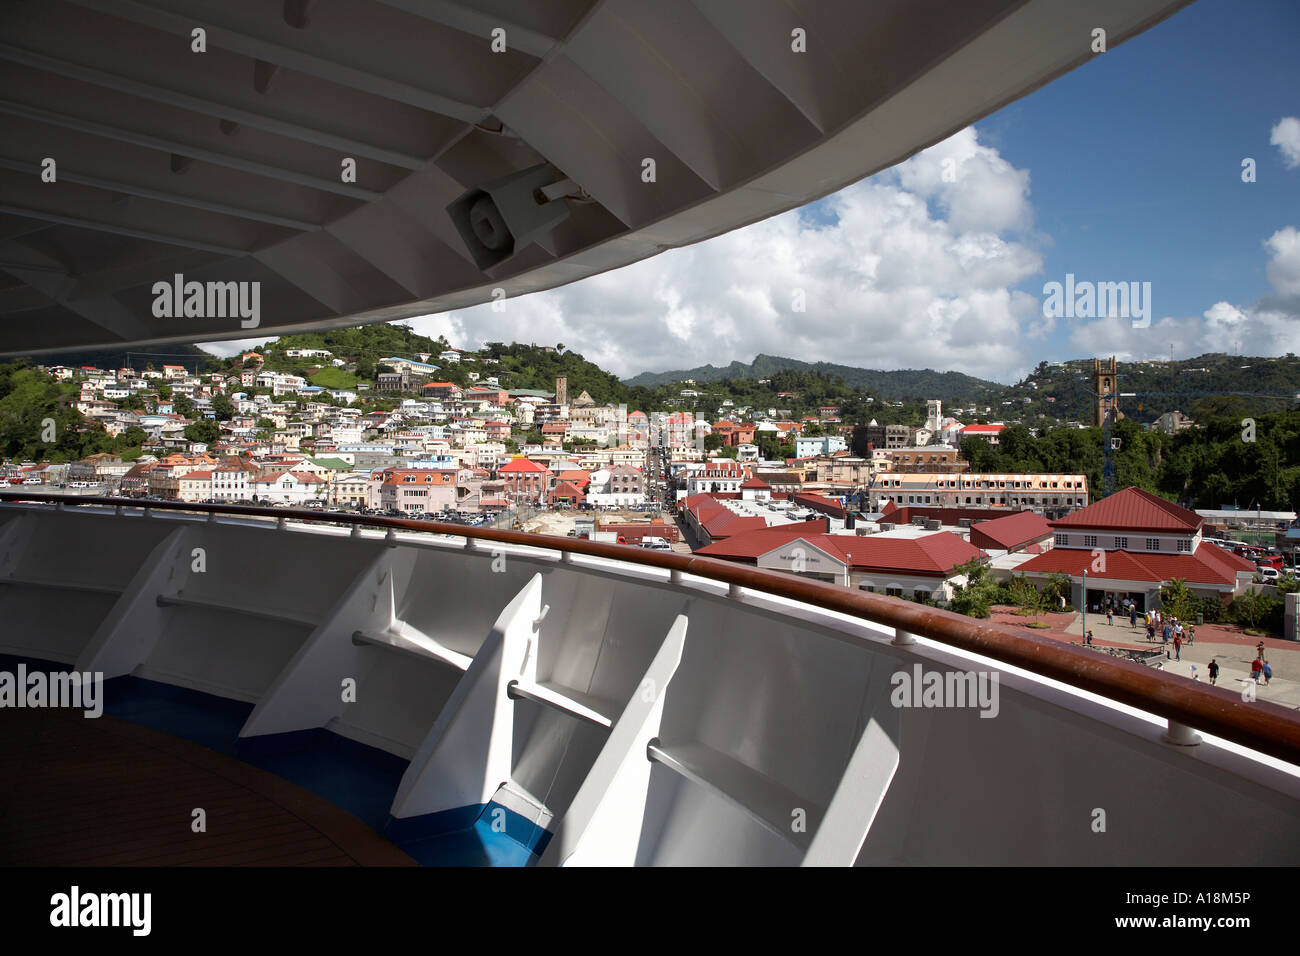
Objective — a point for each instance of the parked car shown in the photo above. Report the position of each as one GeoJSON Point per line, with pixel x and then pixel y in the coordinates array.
{"type": "Point", "coordinates": [1268, 574]}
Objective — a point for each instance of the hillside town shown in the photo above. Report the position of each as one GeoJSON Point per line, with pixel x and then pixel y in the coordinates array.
{"type": "Point", "coordinates": [894, 508]}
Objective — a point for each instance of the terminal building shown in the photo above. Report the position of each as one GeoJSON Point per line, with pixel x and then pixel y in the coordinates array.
{"type": "Point", "coordinates": [1053, 495]}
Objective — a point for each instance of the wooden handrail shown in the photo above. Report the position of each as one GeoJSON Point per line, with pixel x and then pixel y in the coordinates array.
{"type": "Point", "coordinates": [1259, 725]}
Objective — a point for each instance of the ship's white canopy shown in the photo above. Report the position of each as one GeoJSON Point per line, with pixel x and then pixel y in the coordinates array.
{"type": "Point", "coordinates": [230, 164]}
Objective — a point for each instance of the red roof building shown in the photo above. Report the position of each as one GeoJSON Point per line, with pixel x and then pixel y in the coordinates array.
{"type": "Point", "coordinates": [1133, 510]}
{"type": "Point", "coordinates": [525, 480]}
{"type": "Point", "coordinates": [990, 432]}
{"type": "Point", "coordinates": [576, 477]}
{"type": "Point", "coordinates": [566, 493]}
{"type": "Point", "coordinates": [922, 568]}
{"type": "Point", "coordinates": [747, 547]}
{"type": "Point", "coordinates": [710, 520]}
{"type": "Point", "coordinates": [755, 489]}
{"type": "Point", "coordinates": [1011, 532]}
{"type": "Point", "coordinates": [1130, 543]}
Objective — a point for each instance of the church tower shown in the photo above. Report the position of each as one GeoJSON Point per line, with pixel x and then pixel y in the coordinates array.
{"type": "Point", "coordinates": [561, 390]}
{"type": "Point", "coordinates": [933, 415]}
{"type": "Point", "coordinates": [1106, 399]}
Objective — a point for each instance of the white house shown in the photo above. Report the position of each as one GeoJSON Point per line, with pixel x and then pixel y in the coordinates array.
{"type": "Point", "coordinates": [291, 487]}
{"type": "Point", "coordinates": [820, 445]}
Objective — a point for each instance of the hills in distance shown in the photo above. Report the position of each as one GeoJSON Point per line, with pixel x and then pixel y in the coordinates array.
{"type": "Point", "coordinates": [1058, 390]}
{"type": "Point", "coordinates": [888, 385]}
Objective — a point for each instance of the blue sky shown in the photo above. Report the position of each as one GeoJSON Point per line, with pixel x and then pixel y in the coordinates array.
{"type": "Point", "coordinates": [1135, 157]}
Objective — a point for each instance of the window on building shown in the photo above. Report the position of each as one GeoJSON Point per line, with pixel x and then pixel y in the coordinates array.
{"type": "Point", "coordinates": [1184, 545]}
{"type": "Point", "coordinates": [1090, 541]}
{"type": "Point", "coordinates": [1153, 544]}
{"type": "Point", "coordinates": [894, 592]}
{"type": "Point", "coordinates": [1062, 539]}
{"type": "Point", "coordinates": [1121, 543]}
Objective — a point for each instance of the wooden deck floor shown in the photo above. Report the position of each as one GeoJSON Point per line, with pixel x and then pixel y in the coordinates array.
{"type": "Point", "coordinates": [102, 792]}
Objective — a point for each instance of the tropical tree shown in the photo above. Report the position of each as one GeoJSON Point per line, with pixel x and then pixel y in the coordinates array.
{"type": "Point", "coordinates": [1177, 601]}
{"type": "Point", "coordinates": [1025, 595]}
{"type": "Point", "coordinates": [1252, 607]}
{"type": "Point", "coordinates": [205, 430]}
{"type": "Point", "coordinates": [975, 597]}
{"type": "Point", "coordinates": [222, 407]}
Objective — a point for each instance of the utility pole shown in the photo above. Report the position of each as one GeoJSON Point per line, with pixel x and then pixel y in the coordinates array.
{"type": "Point", "coordinates": [1084, 604]}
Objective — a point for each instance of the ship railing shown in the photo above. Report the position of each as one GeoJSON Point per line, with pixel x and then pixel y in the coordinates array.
{"type": "Point", "coordinates": [1188, 706]}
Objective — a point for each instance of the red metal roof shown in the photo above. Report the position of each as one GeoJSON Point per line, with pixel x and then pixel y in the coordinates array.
{"type": "Point", "coordinates": [749, 545]}
{"type": "Point", "coordinates": [567, 489]}
{"type": "Point", "coordinates": [1208, 565]}
{"type": "Point", "coordinates": [932, 554]}
{"type": "Point", "coordinates": [522, 466]}
{"type": "Point", "coordinates": [756, 483]}
{"type": "Point", "coordinates": [1133, 510]}
{"type": "Point", "coordinates": [576, 477]}
{"type": "Point", "coordinates": [1010, 532]}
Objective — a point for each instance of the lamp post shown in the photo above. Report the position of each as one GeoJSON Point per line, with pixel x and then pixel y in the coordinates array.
{"type": "Point", "coordinates": [848, 561]}
{"type": "Point", "coordinates": [1085, 605]}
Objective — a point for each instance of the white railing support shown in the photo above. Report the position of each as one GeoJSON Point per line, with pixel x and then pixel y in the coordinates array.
{"type": "Point", "coordinates": [1180, 735]}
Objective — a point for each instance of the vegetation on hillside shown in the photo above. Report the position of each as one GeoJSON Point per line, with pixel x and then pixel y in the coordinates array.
{"type": "Point", "coordinates": [33, 405]}
{"type": "Point", "coordinates": [1204, 467]}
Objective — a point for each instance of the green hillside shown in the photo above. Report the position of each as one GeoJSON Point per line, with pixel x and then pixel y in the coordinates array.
{"type": "Point", "coordinates": [1198, 387]}
{"type": "Point", "coordinates": [895, 385]}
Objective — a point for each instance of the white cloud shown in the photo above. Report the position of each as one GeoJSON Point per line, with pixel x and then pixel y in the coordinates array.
{"type": "Point", "coordinates": [1283, 269]}
{"type": "Point", "coordinates": [888, 282]}
{"type": "Point", "coordinates": [1286, 137]}
{"type": "Point", "coordinates": [233, 346]}
{"type": "Point", "coordinates": [1268, 327]}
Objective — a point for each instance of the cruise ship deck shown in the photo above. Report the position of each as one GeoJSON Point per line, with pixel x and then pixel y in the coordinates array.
{"type": "Point", "coordinates": [487, 697]}
{"type": "Point", "coordinates": [284, 687]}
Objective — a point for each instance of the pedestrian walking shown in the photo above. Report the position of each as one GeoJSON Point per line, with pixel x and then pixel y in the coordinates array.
{"type": "Point", "coordinates": [1191, 634]}
{"type": "Point", "coordinates": [1267, 672]}
{"type": "Point", "coordinates": [1214, 671]}
{"type": "Point", "coordinates": [1167, 632]}
{"type": "Point", "coordinates": [1259, 649]}
{"type": "Point", "coordinates": [1087, 638]}
{"type": "Point", "coordinates": [1110, 618]}
{"type": "Point", "coordinates": [1178, 647]}
{"type": "Point", "coordinates": [1151, 632]}
{"type": "Point", "coordinates": [1132, 615]}
{"type": "Point", "coordinates": [1256, 667]}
